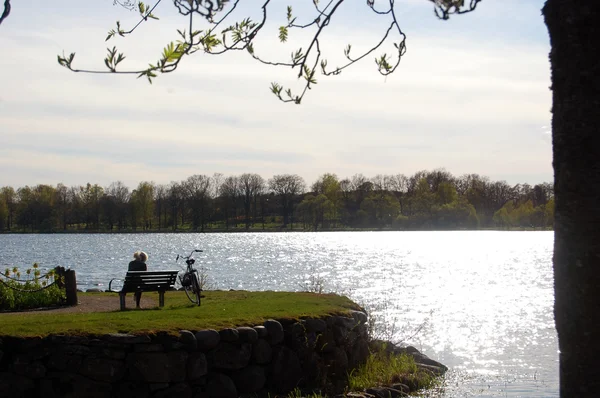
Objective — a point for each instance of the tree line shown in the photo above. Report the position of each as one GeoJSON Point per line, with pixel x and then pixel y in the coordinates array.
{"type": "Point", "coordinates": [425, 200]}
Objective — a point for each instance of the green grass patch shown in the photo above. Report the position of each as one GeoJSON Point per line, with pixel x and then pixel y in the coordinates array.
{"type": "Point", "coordinates": [219, 309]}
{"type": "Point", "coordinates": [386, 369]}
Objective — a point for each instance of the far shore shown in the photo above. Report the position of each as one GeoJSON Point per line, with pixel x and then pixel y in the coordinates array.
{"type": "Point", "coordinates": [267, 230]}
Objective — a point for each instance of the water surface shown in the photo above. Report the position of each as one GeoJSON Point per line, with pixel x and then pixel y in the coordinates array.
{"type": "Point", "coordinates": [479, 302]}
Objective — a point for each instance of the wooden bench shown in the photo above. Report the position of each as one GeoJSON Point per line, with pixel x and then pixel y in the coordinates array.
{"type": "Point", "coordinates": [148, 281]}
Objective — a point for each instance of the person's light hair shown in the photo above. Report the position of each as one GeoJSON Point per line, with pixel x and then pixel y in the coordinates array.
{"type": "Point", "coordinates": [140, 256]}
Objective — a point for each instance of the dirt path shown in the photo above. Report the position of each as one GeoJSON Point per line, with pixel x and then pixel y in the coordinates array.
{"type": "Point", "coordinates": [96, 302]}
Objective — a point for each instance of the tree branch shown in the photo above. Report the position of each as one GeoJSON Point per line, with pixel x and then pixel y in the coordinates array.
{"type": "Point", "coordinates": [241, 36]}
{"type": "Point", "coordinates": [6, 11]}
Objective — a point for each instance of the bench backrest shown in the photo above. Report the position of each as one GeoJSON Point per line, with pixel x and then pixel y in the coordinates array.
{"type": "Point", "coordinates": [149, 280]}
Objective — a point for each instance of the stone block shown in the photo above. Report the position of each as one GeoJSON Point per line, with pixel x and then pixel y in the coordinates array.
{"type": "Point", "coordinates": [207, 339]}
{"type": "Point", "coordinates": [247, 334]}
{"type": "Point", "coordinates": [275, 330]}
{"type": "Point", "coordinates": [230, 356]}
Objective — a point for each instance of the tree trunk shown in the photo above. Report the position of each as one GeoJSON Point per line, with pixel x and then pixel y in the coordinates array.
{"type": "Point", "coordinates": [574, 28]}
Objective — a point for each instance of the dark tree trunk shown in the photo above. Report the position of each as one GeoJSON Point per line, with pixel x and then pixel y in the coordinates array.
{"type": "Point", "coordinates": [574, 28]}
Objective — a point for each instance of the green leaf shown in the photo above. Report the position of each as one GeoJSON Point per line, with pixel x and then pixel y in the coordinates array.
{"type": "Point", "coordinates": [142, 7]}
{"type": "Point", "coordinates": [289, 13]}
{"type": "Point", "coordinates": [283, 34]}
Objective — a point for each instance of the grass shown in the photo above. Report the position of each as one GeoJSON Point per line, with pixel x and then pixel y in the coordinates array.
{"type": "Point", "coordinates": [219, 309]}
{"type": "Point", "coordinates": [383, 369]}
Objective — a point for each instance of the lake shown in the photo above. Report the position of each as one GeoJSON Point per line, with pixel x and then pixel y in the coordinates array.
{"type": "Point", "coordinates": [478, 301]}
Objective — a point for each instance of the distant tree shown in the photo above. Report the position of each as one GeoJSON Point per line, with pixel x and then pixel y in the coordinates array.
{"type": "Point", "coordinates": [230, 193]}
{"type": "Point", "coordinates": [161, 205]}
{"type": "Point", "coordinates": [198, 191]}
{"type": "Point", "coordinates": [175, 197]}
{"type": "Point", "coordinates": [251, 185]}
{"type": "Point", "coordinates": [381, 209]}
{"type": "Point", "coordinates": [329, 185]}
{"type": "Point", "coordinates": [118, 196]}
{"type": "Point", "coordinates": [62, 205]}
{"type": "Point", "coordinates": [142, 199]}
{"type": "Point", "coordinates": [9, 197]}
{"type": "Point", "coordinates": [286, 187]}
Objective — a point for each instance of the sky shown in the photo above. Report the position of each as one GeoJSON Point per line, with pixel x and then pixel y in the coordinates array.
{"type": "Point", "coordinates": [471, 95]}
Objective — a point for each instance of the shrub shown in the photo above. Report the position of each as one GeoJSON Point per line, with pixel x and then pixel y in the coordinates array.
{"type": "Point", "coordinates": [34, 291]}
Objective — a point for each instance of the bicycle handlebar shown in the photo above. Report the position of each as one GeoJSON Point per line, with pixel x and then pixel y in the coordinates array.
{"type": "Point", "coordinates": [191, 254]}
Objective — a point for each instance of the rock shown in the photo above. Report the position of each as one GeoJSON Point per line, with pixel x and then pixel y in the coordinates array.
{"type": "Point", "coordinates": [75, 349]}
{"type": "Point", "coordinates": [423, 359]}
{"type": "Point", "coordinates": [261, 352]}
{"type": "Point", "coordinates": [434, 370]}
{"type": "Point", "coordinates": [220, 386]}
{"type": "Point", "coordinates": [297, 336]}
{"type": "Point", "coordinates": [167, 341]}
{"type": "Point", "coordinates": [207, 339]}
{"type": "Point", "coordinates": [12, 385]}
{"type": "Point", "coordinates": [20, 363]}
{"type": "Point", "coordinates": [359, 353]}
{"type": "Point", "coordinates": [275, 330]}
{"type": "Point", "coordinates": [230, 356]}
{"type": "Point", "coordinates": [313, 370]}
{"type": "Point", "coordinates": [326, 342]}
{"type": "Point", "coordinates": [340, 333]}
{"type": "Point", "coordinates": [315, 325]}
{"type": "Point", "coordinates": [121, 338]}
{"type": "Point", "coordinates": [63, 339]}
{"type": "Point", "coordinates": [64, 362]}
{"type": "Point", "coordinates": [188, 339]}
{"type": "Point", "coordinates": [247, 334]}
{"type": "Point", "coordinates": [401, 387]}
{"type": "Point", "coordinates": [108, 370]}
{"type": "Point", "coordinates": [157, 367]}
{"type": "Point", "coordinates": [385, 392]}
{"type": "Point", "coordinates": [154, 387]}
{"type": "Point", "coordinates": [94, 290]}
{"type": "Point", "coordinates": [250, 379]}
{"type": "Point", "coordinates": [110, 353]}
{"type": "Point", "coordinates": [229, 335]}
{"type": "Point", "coordinates": [382, 345]}
{"type": "Point", "coordinates": [152, 347]}
{"type": "Point", "coordinates": [285, 370]}
{"type": "Point", "coordinates": [359, 316]}
{"type": "Point", "coordinates": [262, 331]}
{"type": "Point", "coordinates": [131, 390]}
{"type": "Point", "coordinates": [84, 387]}
{"type": "Point", "coordinates": [337, 362]}
{"type": "Point", "coordinates": [197, 366]}
{"type": "Point", "coordinates": [347, 322]}
{"type": "Point", "coordinates": [179, 390]}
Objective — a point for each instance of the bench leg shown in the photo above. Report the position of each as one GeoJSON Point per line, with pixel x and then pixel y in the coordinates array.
{"type": "Point", "coordinates": [122, 300]}
{"type": "Point", "coordinates": [138, 298]}
{"type": "Point", "coordinates": [161, 299]}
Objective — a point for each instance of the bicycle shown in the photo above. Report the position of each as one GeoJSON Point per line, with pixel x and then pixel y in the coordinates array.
{"type": "Point", "coordinates": [189, 280]}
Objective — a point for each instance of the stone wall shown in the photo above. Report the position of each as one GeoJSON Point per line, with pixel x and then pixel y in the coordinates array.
{"type": "Point", "coordinates": [272, 358]}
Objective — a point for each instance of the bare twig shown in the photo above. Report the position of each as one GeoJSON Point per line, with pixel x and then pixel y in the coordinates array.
{"type": "Point", "coordinates": [6, 11]}
{"type": "Point", "coordinates": [241, 36]}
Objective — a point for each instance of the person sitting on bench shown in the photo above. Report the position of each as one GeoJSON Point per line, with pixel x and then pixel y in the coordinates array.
{"type": "Point", "coordinates": [138, 264]}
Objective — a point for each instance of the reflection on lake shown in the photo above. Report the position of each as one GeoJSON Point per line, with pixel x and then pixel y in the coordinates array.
{"type": "Point", "coordinates": [484, 298]}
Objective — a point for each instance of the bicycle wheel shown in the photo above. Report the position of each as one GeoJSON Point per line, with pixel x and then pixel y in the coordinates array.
{"type": "Point", "coordinates": [197, 288]}
{"type": "Point", "coordinates": [192, 290]}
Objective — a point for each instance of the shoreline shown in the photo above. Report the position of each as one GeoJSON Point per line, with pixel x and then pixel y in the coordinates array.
{"type": "Point", "coordinates": [237, 231]}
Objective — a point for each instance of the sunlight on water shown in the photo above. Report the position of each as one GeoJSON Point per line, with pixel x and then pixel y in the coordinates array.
{"type": "Point", "coordinates": [479, 302]}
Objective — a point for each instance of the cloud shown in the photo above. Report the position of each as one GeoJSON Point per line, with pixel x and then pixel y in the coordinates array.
{"type": "Point", "coordinates": [465, 97]}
